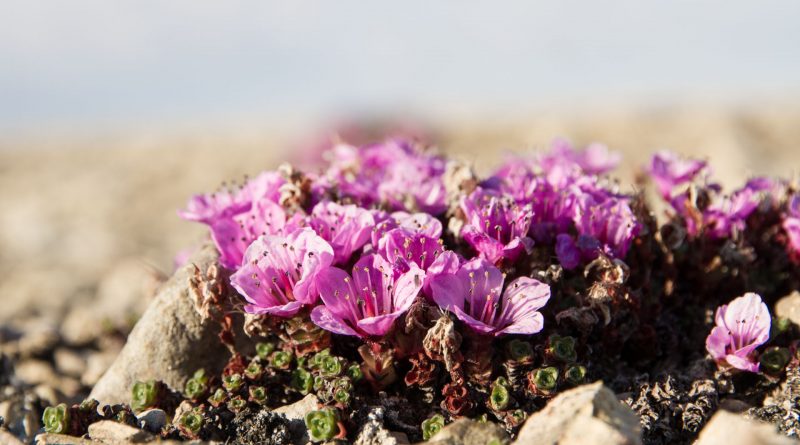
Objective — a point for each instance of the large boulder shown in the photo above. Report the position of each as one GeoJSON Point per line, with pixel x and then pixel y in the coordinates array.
{"type": "Point", "coordinates": [170, 342]}
{"type": "Point", "coordinates": [588, 414]}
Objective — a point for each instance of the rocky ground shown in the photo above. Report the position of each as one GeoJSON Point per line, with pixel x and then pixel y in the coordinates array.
{"type": "Point", "coordinates": [88, 232]}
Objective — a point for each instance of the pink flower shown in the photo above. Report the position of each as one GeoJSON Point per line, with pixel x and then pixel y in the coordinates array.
{"type": "Point", "coordinates": [279, 271]}
{"type": "Point", "coordinates": [406, 249]}
{"type": "Point", "coordinates": [497, 227]}
{"type": "Point", "coordinates": [741, 327]}
{"type": "Point", "coordinates": [422, 223]}
{"type": "Point", "coordinates": [791, 224]}
{"type": "Point", "coordinates": [397, 173]}
{"type": "Point", "coordinates": [236, 218]}
{"type": "Point", "coordinates": [669, 171]}
{"type": "Point", "coordinates": [210, 207]}
{"type": "Point", "coordinates": [232, 235]}
{"type": "Point", "coordinates": [475, 294]}
{"type": "Point", "coordinates": [368, 303]}
{"type": "Point", "coordinates": [346, 227]}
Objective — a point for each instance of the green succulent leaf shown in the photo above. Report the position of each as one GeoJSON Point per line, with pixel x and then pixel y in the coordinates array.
{"type": "Point", "coordinates": [302, 380]}
{"type": "Point", "coordinates": [265, 349]}
{"type": "Point", "coordinates": [774, 359]}
{"type": "Point", "coordinates": [232, 382]}
{"type": "Point", "coordinates": [56, 419]}
{"type": "Point", "coordinates": [546, 379]}
{"type": "Point", "coordinates": [322, 425]}
{"type": "Point", "coordinates": [431, 426]}
{"type": "Point", "coordinates": [144, 395]}
{"type": "Point", "coordinates": [575, 375]}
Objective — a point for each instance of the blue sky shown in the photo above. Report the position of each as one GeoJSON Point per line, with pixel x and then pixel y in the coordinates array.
{"type": "Point", "coordinates": [88, 61]}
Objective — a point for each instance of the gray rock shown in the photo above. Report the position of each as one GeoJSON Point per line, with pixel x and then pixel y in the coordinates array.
{"type": "Point", "coordinates": [61, 439]}
{"type": "Point", "coordinates": [470, 432]}
{"type": "Point", "coordinates": [39, 337]}
{"type": "Point", "coordinates": [732, 429]}
{"type": "Point", "coordinates": [152, 420]}
{"type": "Point", "coordinates": [588, 414]}
{"type": "Point", "coordinates": [6, 438]}
{"type": "Point", "coordinates": [296, 413]}
{"type": "Point", "coordinates": [108, 431]}
{"type": "Point", "coordinates": [789, 307]}
{"type": "Point", "coordinates": [34, 372]}
{"type": "Point", "coordinates": [122, 295]}
{"type": "Point", "coordinates": [299, 409]}
{"type": "Point", "coordinates": [69, 362]}
{"type": "Point", "coordinates": [81, 325]}
{"type": "Point", "coordinates": [96, 365]}
{"type": "Point", "coordinates": [373, 432]}
{"type": "Point", "coordinates": [166, 342]}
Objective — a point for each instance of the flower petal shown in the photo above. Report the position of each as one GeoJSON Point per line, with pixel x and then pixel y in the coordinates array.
{"type": "Point", "coordinates": [380, 325]}
{"type": "Point", "coordinates": [448, 292]}
{"type": "Point", "coordinates": [324, 318]}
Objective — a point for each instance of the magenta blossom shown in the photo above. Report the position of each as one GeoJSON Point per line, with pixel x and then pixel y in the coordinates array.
{"type": "Point", "coordinates": [475, 294]}
{"type": "Point", "coordinates": [422, 223]}
{"type": "Point", "coordinates": [346, 227]}
{"type": "Point", "coordinates": [209, 208]}
{"type": "Point", "coordinates": [404, 249]}
{"type": "Point", "coordinates": [232, 235]}
{"type": "Point", "coordinates": [497, 228]}
{"type": "Point", "coordinates": [279, 272]}
{"type": "Point", "coordinates": [611, 222]}
{"type": "Point", "coordinates": [572, 253]}
{"type": "Point", "coordinates": [368, 303]}
{"type": "Point", "coordinates": [670, 171]}
{"type": "Point", "coordinates": [397, 173]}
{"type": "Point", "coordinates": [237, 217]}
{"type": "Point", "coordinates": [741, 327]}
{"type": "Point", "coordinates": [791, 224]}
{"type": "Point", "coordinates": [563, 159]}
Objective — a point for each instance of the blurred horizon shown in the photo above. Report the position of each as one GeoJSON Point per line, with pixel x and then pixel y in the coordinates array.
{"type": "Point", "coordinates": [93, 66]}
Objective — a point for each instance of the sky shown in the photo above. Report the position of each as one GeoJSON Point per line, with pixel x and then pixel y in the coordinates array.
{"type": "Point", "coordinates": [90, 62]}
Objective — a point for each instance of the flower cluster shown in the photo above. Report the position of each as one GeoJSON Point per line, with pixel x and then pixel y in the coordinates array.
{"type": "Point", "coordinates": [560, 199]}
{"type": "Point", "coordinates": [487, 294]}
{"type": "Point", "coordinates": [687, 185]}
{"type": "Point", "coordinates": [373, 240]}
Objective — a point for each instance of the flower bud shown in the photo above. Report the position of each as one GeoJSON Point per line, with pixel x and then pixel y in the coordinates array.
{"type": "Point", "coordinates": [322, 425]}
{"type": "Point", "coordinates": [774, 359]}
{"type": "Point", "coordinates": [431, 426]}
{"type": "Point", "coordinates": [56, 419]}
